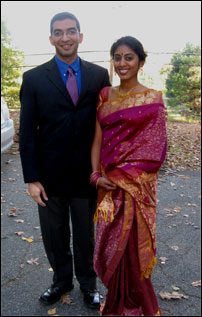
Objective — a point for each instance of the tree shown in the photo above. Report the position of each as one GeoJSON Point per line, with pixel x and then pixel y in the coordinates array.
{"type": "Point", "coordinates": [183, 83]}
{"type": "Point", "coordinates": [11, 69]}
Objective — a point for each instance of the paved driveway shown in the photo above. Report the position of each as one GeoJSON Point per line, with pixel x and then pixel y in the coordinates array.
{"type": "Point", "coordinates": [178, 248]}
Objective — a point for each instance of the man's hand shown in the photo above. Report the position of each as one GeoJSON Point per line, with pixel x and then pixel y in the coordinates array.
{"type": "Point", "coordinates": [106, 184]}
{"type": "Point", "coordinates": [36, 189]}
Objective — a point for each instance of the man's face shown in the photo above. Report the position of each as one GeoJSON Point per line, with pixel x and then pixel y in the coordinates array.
{"type": "Point", "coordinates": [66, 39]}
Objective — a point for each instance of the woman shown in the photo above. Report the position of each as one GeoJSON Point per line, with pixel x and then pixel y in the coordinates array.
{"type": "Point", "coordinates": [128, 149]}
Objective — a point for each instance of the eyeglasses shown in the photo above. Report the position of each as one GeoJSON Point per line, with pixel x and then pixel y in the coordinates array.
{"type": "Point", "coordinates": [59, 33]}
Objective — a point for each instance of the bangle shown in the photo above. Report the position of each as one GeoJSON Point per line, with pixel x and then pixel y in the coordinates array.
{"type": "Point", "coordinates": [97, 181]}
{"type": "Point", "coordinates": [94, 177]}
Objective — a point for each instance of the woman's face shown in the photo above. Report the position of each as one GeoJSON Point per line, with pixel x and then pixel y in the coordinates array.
{"type": "Point", "coordinates": [126, 62]}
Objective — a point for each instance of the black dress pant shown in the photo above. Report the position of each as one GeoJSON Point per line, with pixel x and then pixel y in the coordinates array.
{"type": "Point", "coordinates": [55, 228]}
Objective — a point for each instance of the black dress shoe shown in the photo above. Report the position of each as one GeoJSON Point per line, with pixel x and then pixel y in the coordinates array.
{"type": "Point", "coordinates": [53, 294]}
{"type": "Point", "coordinates": [92, 299]}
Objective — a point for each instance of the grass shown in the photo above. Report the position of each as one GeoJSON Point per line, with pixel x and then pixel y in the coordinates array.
{"type": "Point", "coordinates": [180, 113]}
{"type": "Point", "coordinates": [176, 115]}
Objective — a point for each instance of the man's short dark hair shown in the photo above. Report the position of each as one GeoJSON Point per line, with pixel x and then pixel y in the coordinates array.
{"type": "Point", "coordinates": [62, 16]}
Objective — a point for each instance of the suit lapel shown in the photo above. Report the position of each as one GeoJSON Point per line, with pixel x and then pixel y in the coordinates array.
{"type": "Point", "coordinates": [55, 77]}
{"type": "Point", "coordinates": [85, 78]}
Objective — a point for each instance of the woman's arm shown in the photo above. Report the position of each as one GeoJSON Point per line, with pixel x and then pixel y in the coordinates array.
{"type": "Point", "coordinates": [96, 146]}
{"type": "Point", "coordinates": [95, 159]}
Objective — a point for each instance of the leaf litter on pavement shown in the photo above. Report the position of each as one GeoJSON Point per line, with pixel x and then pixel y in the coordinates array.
{"type": "Point", "coordinates": [183, 149]}
{"type": "Point", "coordinates": [184, 146]}
{"type": "Point", "coordinates": [183, 152]}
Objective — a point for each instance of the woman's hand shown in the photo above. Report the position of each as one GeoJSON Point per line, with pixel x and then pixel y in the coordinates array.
{"type": "Point", "coordinates": [106, 184]}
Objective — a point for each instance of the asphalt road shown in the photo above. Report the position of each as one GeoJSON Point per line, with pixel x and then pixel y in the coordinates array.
{"type": "Point", "coordinates": [178, 248]}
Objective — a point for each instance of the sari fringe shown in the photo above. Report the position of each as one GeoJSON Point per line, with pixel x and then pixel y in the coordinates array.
{"type": "Point", "coordinates": [159, 313]}
{"type": "Point", "coordinates": [148, 271]}
{"type": "Point", "coordinates": [103, 213]}
{"type": "Point", "coordinates": [105, 207]}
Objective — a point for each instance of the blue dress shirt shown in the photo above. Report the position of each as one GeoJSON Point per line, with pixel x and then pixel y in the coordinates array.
{"type": "Point", "coordinates": [63, 67]}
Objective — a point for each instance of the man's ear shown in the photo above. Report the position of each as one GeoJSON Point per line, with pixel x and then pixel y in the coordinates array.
{"type": "Point", "coordinates": [51, 40]}
{"type": "Point", "coordinates": [81, 38]}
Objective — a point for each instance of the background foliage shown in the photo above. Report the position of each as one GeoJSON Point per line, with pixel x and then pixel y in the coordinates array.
{"type": "Point", "coordinates": [11, 69]}
{"type": "Point", "coordinates": [183, 84]}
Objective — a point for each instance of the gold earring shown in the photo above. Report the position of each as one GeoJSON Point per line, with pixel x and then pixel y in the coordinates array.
{"type": "Point", "coordinates": [141, 71]}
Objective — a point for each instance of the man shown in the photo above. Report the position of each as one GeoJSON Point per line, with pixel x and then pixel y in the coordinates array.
{"type": "Point", "coordinates": [58, 109]}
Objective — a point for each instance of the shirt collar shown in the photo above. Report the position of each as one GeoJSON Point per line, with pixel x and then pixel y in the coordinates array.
{"type": "Point", "coordinates": [64, 66]}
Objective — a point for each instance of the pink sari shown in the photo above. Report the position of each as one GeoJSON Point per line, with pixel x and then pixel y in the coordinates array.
{"type": "Point", "coordinates": [133, 149]}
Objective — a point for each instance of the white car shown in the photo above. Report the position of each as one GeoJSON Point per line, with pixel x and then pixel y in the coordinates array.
{"type": "Point", "coordinates": [7, 127]}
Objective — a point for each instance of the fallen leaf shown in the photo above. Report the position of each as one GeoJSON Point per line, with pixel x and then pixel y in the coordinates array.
{"type": "Point", "coordinates": [36, 228]}
{"type": "Point", "coordinates": [177, 209]}
{"type": "Point", "coordinates": [19, 233]}
{"type": "Point", "coordinates": [2, 198]}
{"type": "Point", "coordinates": [19, 220]}
{"type": "Point", "coordinates": [173, 295]}
{"type": "Point", "coordinates": [52, 311]}
{"type": "Point", "coordinates": [50, 269]}
{"type": "Point", "coordinates": [172, 184]}
{"type": "Point", "coordinates": [13, 209]}
{"type": "Point", "coordinates": [196, 283]}
{"type": "Point", "coordinates": [163, 260]}
{"type": "Point", "coordinates": [27, 192]}
{"type": "Point", "coordinates": [9, 161]}
{"type": "Point", "coordinates": [65, 299]}
{"type": "Point", "coordinates": [33, 261]}
{"type": "Point", "coordinates": [166, 209]}
{"type": "Point", "coordinates": [28, 239]}
{"type": "Point", "coordinates": [175, 288]}
{"type": "Point", "coordinates": [183, 176]}
{"type": "Point", "coordinates": [175, 247]}
{"type": "Point", "coordinates": [11, 179]}
{"type": "Point", "coordinates": [12, 214]}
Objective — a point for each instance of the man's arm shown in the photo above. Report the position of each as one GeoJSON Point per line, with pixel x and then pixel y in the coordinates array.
{"type": "Point", "coordinates": [106, 81]}
{"type": "Point", "coordinates": [28, 141]}
{"type": "Point", "coordinates": [28, 131]}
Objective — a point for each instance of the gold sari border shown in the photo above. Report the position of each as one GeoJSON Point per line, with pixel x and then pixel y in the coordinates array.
{"type": "Point", "coordinates": [148, 271]}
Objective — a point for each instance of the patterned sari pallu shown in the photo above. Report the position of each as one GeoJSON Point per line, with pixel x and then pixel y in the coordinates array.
{"type": "Point", "coordinates": [132, 151]}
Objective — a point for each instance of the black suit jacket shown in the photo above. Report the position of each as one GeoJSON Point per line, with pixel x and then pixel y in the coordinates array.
{"type": "Point", "coordinates": [55, 135]}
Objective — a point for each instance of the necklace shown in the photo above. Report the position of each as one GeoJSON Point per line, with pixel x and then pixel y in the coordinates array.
{"type": "Point", "coordinates": [126, 94]}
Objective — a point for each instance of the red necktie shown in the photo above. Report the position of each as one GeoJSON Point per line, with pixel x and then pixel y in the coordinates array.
{"type": "Point", "coordinates": [71, 85]}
